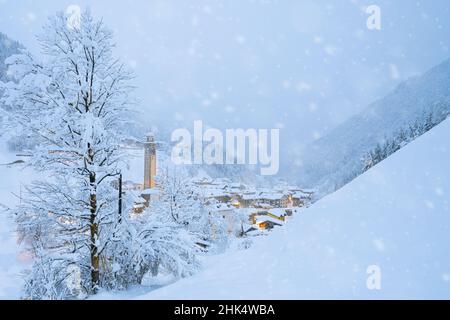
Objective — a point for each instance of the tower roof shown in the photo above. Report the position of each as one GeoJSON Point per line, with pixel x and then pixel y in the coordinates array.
{"type": "Point", "coordinates": [150, 137]}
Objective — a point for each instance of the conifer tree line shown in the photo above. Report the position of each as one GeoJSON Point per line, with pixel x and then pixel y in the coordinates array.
{"type": "Point", "coordinates": [427, 121]}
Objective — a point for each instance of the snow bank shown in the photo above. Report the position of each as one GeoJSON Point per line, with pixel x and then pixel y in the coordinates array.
{"type": "Point", "coordinates": [10, 268]}
{"type": "Point", "coordinates": [11, 262]}
{"type": "Point", "coordinates": [395, 216]}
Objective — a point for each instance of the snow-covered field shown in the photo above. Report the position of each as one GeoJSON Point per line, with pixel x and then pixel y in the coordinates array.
{"type": "Point", "coordinates": [11, 262]}
{"type": "Point", "coordinates": [10, 268]}
{"type": "Point", "coordinates": [396, 217]}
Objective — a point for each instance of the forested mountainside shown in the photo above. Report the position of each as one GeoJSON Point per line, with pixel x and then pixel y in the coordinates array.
{"type": "Point", "coordinates": [413, 108]}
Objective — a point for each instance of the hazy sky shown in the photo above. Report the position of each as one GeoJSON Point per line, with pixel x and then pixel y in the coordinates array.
{"type": "Point", "coordinates": [302, 66]}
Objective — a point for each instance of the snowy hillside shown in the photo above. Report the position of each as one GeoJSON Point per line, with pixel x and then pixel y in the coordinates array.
{"type": "Point", "coordinates": [8, 47]}
{"type": "Point", "coordinates": [395, 216]}
{"type": "Point", "coordinates": [336, 158]}
{"type": "Point", "coordinates": [11, 262]}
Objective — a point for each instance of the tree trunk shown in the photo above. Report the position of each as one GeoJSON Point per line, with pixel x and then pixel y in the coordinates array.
{"type": "Point", "coordinates": [95, 261]}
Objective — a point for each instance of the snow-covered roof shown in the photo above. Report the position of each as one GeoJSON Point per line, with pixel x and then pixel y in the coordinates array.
{"type": "Point", "coordinates": [271, 196]}
{"type": "Point", "coordinates": [279, 212]}
{"type": "Point", "coordinates": [150, 191]}
{"type": "Point", "coordinates": [249, 196]}
{"type": "Point", "coordinates": [301, 195]}
{"type": "Point", "coordinates": [222, 187]}
{"type": "Point", "coordinates": [139, 200]}
{"type": "Point", "coordinates": [223, 207]}
{"type": "Point", "coordinates": [261, 219]}
{"type": "Point", "coordinates": [215, 193]}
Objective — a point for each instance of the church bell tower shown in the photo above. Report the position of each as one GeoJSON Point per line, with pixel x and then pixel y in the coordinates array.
{"type": "Point", "coordinates": [149, 162]}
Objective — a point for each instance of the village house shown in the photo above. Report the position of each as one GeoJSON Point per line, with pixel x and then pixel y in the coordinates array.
{"type": "Point", "coordinates": [267, 220]}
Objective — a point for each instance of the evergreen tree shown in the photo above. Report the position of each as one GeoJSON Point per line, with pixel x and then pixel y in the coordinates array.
{"type": "Point", "coordinates": [425, 123]}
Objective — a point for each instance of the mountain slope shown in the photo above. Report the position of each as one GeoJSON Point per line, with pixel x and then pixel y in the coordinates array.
{"type": "Point", "coordinates": [336, 159]}
{"type": "Point", "coordinates": [8, 47]}
{"type": "Point", "coordinates": [395, 216]}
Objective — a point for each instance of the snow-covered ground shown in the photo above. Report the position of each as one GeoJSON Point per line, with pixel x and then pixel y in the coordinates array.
{"type": "Point", "coordinates": [10, 266]}
{"type": "Point", "coordinates": [11, 261]}
{"type": "Point", "coordinates": [396, 216]}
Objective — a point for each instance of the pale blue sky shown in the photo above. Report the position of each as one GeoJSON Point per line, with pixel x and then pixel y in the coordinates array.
{"type": "Point", "coordinates": [303, 66]}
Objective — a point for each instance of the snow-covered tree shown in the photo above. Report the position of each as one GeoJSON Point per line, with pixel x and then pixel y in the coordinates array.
{"type": "Point", "coordinates": [185, 206]}
{"type": "Point", "coordinates": [424, 123]}
{"type": "Point", "coordinates": [159, 242]}
{"type": "Point", "coordinates": [181, 204]}
{"type": "Point", "coordinates": [8, 47]}
{"type": "Point", "coordinates": [74, 101]}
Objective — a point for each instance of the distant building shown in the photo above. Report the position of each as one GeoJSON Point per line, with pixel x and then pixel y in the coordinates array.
{"type": "Point", "coordinates": [144, 193]}
{"type": "Point", "coordinates": [149, 162]}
